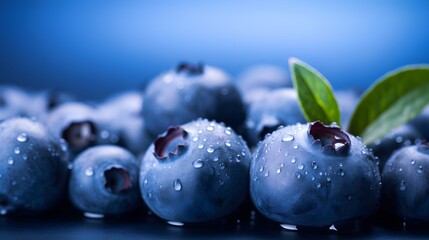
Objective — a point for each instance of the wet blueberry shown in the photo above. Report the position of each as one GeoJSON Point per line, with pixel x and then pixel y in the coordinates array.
{"type": "Point", "coordinates": [314, 175]}
{"type": "Point", "coordinates": [197, 172]}
{"type": "Point", "coordinates": [404, 135]}
{"type": "Point", "coordinates": [104, 181]}
{"type": "Point", "coordinates": [33, 169]}
{"type": "Point", "coordinates": [278, 108]}
{"type": "Point", "coordinates": [405, 177]}
{"type": "Point", "coordinates": [189, 92]}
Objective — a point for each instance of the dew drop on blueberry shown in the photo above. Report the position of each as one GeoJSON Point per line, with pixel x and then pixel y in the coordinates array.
{"type": "Point", "coordinates": [420, 169]}
{"type": "Point", "coordinates": [10, 161]}
{"type": "Point", "coordinates": [300, 166]}
{"type": "Point", "coordinates": [413, 162]}
{"type": "Point", "coordinates": [176, 224]}
{"type": "Point", "coordinates": [22, 137]}
{"type": "Point", "coordinates": [89, 172]}
{"type": "Point", "coordinates": [289, 227]}
{"type": "Point", "coordinates": [177, 185]}
{"type": "Point", "coordinates": [197, 163]}
{"type": "Point", "coordinates": [93, 215]}
{"type": "Point", "coordinates": [228, 143]}
{"type": "Point", "coordinates": [210, 149]}
{"type": "Point", "coordinates": [17, 151]}
{"type": "Point", "coordinates": [402, 186]}
{"type": "Point", "coordinates": [314, 165]}
{"type": "Point", "coordinates": [293, 160]}
{"type": "Point", "coordinates": [287, 138]}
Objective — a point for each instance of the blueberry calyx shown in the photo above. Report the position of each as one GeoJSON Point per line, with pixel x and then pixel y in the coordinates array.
{"type": "Point", "coordinates": [117, 180]}
{"type": "Point", "coordinates": [80, 135]}
{"type": "Point", "coordinates": [331, 138]}
{"type": "Point", "coordinates": [171, 143]}
{"type": "Point", "coordinates": [190, 69]}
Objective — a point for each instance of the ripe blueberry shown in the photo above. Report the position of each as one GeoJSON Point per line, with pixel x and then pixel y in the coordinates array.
{"type": "Point", "coordinates": [104, 181]}
{"type": "Point", "coordinates": [33, 171]}
{"type": "Point", "coordinates": [197, 172]}
{"type": "Point", "coordinates": [314, 175]}
{"type": "Point", "coordinates": [189, 92]}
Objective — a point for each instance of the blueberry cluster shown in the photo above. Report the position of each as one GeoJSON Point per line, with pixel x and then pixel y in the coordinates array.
{"type": "Point", "coordinates": [177, 148]}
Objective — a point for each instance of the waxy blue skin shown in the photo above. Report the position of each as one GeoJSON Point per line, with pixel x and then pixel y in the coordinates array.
{"type": "Point", "coordinates": [293, 181]}
{"type": "Point", "coordinates": [207, 179]}
{"type": "Point", "coordinates": [405, 178]}
{"type": "Point", "coordinates": [421, 122]}
{"type": "Point", "coordinates": [33, 169]}
{"type": "Point", "coordinates": [402, 136]}
{"type": "Point", "coordinates": [87, 185]}
{"type": "Point", "coordinates": [180, 96]}
{"type": "Point", "coordinates": [121, 115]}
{"type": "Point", "coordinates": [277, 108]}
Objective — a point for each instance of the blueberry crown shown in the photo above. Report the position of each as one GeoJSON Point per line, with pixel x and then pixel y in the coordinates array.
{"type": "Point", "coordinates": [171, 143]}
{"type": "Point", "coordinates": [331, 138]}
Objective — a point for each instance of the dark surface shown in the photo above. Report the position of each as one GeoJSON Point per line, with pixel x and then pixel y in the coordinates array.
{"type": "Point", "coordinates": [74, 226]}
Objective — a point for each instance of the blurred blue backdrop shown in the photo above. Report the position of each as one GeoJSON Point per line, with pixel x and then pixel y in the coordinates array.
{"type": "Point", "coordinates": [95, 48]}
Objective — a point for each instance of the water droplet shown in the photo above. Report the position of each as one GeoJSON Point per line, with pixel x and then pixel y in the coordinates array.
{"type": "Point", "coordinates": [145, 181]}
{"type": "Point", "coordinates": [228, 131]}
{"type": "Point", "coordinates": [215, 159]}
{"type": "Point", "coordinates": [298, 175]}
{"type": "Point", "coordinates": [10, 161]}
{"type": "Point", "coordinates": [195, 139]}
{"type": "Point", "coordinates": [314, 165]}
{"type": "Point", "coordinates": [197, 163]}
{"type": "Point", "coordinates": [295, 146]}
{"type": "Point", "coordinates": [261, 169]}
{"type": "Point", "coordinates": [210, 128]}
{"type": "Point", "coordinates": [341, 172]}
{"type": "Point", "coordinates": [104, 134]}
{"type": "Point", "coordinates": [318, 185]}
{"type": "Point", "coordinates": [13, 183]}
{"type": "Point", "coordinates": [287, 138]}
{"type": "Point", "coordinates": [210, 149]}
{"type": "Point", "coordinates": [89, 172]}
{"type": "Point", "coordinates": [228, 143]}
{"type": "Point", "coordinates": [313, 178]}
{"type": "Point", "coordinates": [293, 160]}
{"type": "Point", "coordinates": [221, 182]}
{"type": "Point", "coordinates": [200, 146]}
{"type": "Point", "coordinates": [413, 162]}
{"type": "Point", "coordinates": [3, 212]}
{"type": "Point", "coordinates": [177, 185]}
{"type": "Point", "coordinates": [17, 151]}
{"type": "Point", "coordinates": [93, 215]}
{"type": "Point", "coordinates": [24, 157]}
{"type": "Point", "coordinates": [200, 131]}
{"type": "Point", "coordinates": [399, 139]}
{"type": "Point", "coordinates": [222, 165]}
{"type": "Point", "coordinates": [176, 224]}
{"type": "Point", "coordinates": [289, 227]}
{"type": "Point", "coordinates": [333, 228]}
{"type": "Point", "coordinates": [278, 170]}
{"type": "Point", "coordinates": [420, 169]}
{"type": "Point", "coordinates": [70, 166]}
{"type": "Point", "coordinates": [267, 174]}
{"type": "Point", "coordinates": [402, 186]}
{"type": "Point", "coordinates": [22, 137]}
{"type": "Point", "coordinates": [328, 179]}
{"type": "Point", "coordinates": [340, 164]}
{"type": "Point", "coordinates": [400, 169]}
{"type": "Point", "coordinates": [301, 166]}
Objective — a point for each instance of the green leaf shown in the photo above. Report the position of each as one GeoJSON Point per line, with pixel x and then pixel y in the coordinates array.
{"type": "Point", "coordinates": [393, 100]}
{"type": "Point", "coordinates": [315, 95]}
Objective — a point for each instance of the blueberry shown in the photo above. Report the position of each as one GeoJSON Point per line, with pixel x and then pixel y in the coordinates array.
{"type": "Point", "coordinates": [278, 108]}
{"type": "Point", "coordinates": [75, 123]}
{"type": "Point", "coordinates": [420, 123]}
{"type": "Point", "coordinates": [262, 77]}
{"type": "Point", "coordinates": [13, 102]}
{"type": "Point", "coordinates": [120, 117]}
{"type": "Point", "coordinates": [347, 101]}
{"type": "Point", "coordinates": [401, 136]}
{"type": "Point", "coordinates": [314, 175]}
{"type": "Point", "coordinates": [405, 179]}
{"type": "Point", "coordinates": [33, 170]}
{"type": "Point", "coordinates": [197, 172]}
{"type": "Point", "coordinates": [189, 92]}
{"type": "Point", "coordinates": [104, 181]}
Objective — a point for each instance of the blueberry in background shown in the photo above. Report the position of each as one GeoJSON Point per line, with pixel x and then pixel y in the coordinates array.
{"type": "Point", "coordinates": [261, 78]}
{"type": "Point", "coordinates": [122, 115]}
{"type": "Point", "coordinates": [104, 181]}
{"type": "Point", "coordinates": [420, 123]}
{"type": "Point", "coordinates": [404, 135]}
{"type": "Point", "coordinates": [197, 172]}
{"type": "Point", "coordinates": [347, 101]}
{"type": "Point", "coordinates": [75, 123]}
{"type": "Point", "coordinates": [314, 175]}
{"type": "Point", "coordinates": [33, 169]}
{"type": "Point", "coordinates": [189, 92]}
{"type": "Point", "coordinates": [405, 178]}
{"type": "Point", "coordinates": [278, 108]}
{"type": "Point", "coordinates": [12, 102]}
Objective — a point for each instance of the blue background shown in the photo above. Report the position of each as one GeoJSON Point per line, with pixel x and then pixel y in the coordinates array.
{"type": "Point", "coordinates": [95, 48]}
